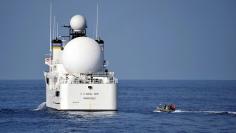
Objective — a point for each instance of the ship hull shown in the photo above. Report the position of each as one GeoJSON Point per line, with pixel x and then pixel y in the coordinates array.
{"type": "Point", "coordinates": [82, 97]}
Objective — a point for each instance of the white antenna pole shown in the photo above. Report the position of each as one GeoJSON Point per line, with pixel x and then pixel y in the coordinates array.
{"type": "Point", "coordinates": [54, 27]}
{"type": "Point", "coordinates": [57, 30]}
{"type": "Point", "coordinates": [50, 25]}
{"type": "Point", "coordinates": [97, 22]}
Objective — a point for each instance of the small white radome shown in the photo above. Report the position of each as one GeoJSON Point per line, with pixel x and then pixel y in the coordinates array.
{"type": "Point", "coordinates": [78, 23]}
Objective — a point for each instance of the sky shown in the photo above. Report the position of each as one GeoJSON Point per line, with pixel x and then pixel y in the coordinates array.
{"type": "Point", "coordinates": [144, 39]}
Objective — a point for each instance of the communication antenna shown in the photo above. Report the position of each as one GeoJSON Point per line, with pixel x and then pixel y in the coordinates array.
{"type": "Point", "coordinates": [54, 27]}
{"type": "Point", "coordinates": [57, 31]}
{"type": "Point", "coordinates": [97, 21]}
{"type": "Point", "coordinates": [50, 25]}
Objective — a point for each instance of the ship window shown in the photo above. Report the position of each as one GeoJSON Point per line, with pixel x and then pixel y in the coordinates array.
{"type": "Point", "coordinates": [90, 87]}
{"type": "Point", "coordinates": [47, 80]}
{"type": "Point", "coordinates": [106, 70]}
{"type": "Point", "coordinates": [57, 93]}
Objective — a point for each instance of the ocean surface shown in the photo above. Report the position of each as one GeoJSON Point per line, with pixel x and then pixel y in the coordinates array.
{"type": "Point", "coordinates": [202, 107]}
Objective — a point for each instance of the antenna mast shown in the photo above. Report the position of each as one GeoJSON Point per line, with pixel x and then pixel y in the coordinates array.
{"type": "Point", "coordinates": [97, 22]}
{"type": "Point", "coordinates": [54, 27]}
{"type": "Point", "coordinates": [50, 25]}
{"type": "Point", "coordinates": [57, 31]}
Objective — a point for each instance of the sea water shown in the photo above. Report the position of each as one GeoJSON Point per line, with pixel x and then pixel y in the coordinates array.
{"type": "Point", "coordinates": [202, 106]}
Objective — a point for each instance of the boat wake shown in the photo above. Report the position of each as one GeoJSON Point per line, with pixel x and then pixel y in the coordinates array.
{"type": "Point", "coordinates": [41, 106]}
{"type": "Point", "coordinates": [206, 112]}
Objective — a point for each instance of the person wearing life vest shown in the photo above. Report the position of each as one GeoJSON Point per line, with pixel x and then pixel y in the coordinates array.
{"type": "Point", "coordinates": [172, 106]}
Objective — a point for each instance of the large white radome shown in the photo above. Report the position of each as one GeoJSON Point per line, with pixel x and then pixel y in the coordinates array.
{"type": "Point", "coordinates": [82, 55]}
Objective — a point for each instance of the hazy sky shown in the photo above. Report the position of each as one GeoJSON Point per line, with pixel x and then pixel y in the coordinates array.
{"type": "Point", "coordinates": [144, 39]}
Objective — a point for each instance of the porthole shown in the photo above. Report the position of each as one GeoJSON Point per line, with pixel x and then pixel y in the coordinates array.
{"type": "Point", "coordinates": [90, 87]}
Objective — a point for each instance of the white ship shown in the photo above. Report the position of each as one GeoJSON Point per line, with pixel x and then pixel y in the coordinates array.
{"type": "Point", "coordinates": [77, 77]}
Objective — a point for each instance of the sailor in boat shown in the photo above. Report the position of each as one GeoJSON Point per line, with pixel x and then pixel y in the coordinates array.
{"type": "Point", "coordinates": [167, 108]}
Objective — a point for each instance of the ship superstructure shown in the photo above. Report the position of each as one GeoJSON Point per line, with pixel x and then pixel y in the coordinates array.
{"type": "Point", "coordinates": [77, 77]}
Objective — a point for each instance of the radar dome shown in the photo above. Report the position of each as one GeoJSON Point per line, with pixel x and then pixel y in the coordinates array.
{"type": "Point", "coordinates": [82, 55]}
{"type": "Point", "coordinates": [78, 23]}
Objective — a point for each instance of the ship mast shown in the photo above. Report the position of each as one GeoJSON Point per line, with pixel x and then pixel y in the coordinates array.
{"type": "Point", "coordinates": [97, 22]}
{"type": "Point", "coordinates": [50, 26]}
